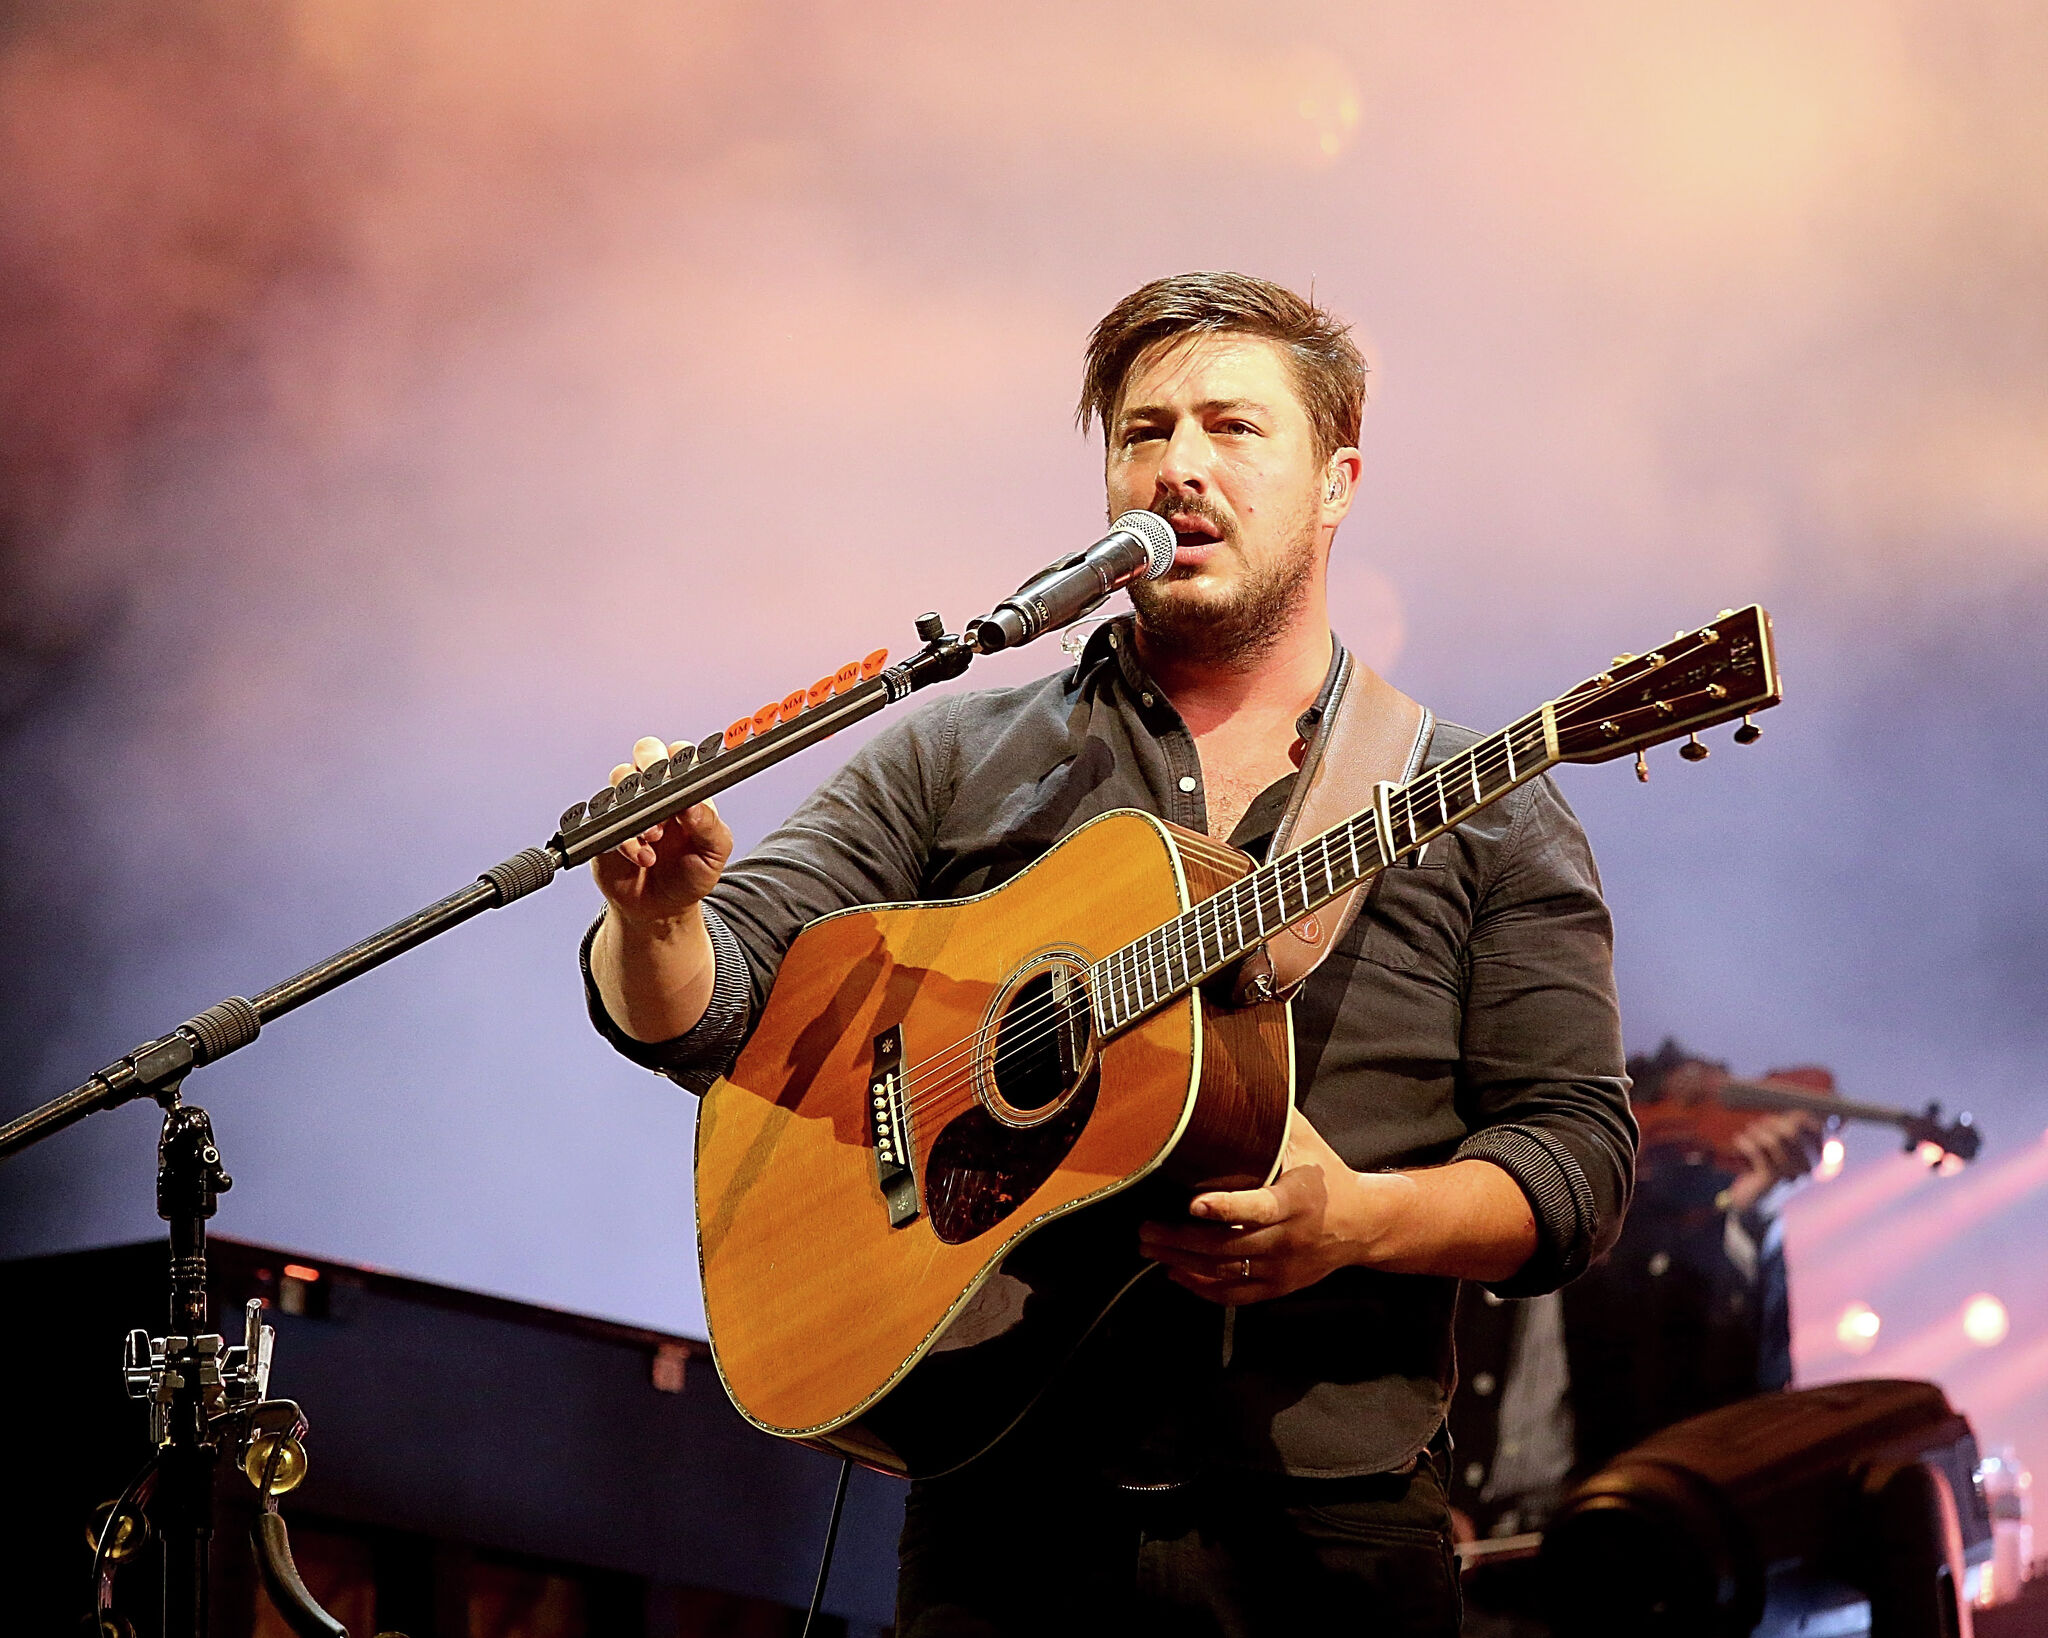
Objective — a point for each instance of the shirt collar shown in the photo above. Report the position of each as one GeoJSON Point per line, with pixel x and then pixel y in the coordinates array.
{"type": "Point", "coordinates": [1110, 644]}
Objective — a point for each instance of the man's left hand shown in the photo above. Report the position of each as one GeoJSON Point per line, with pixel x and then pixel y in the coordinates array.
{"type": "Point", "coordinates": [1774, 1149]}
{"type": "Point", "coordinates": [1248, 1245]}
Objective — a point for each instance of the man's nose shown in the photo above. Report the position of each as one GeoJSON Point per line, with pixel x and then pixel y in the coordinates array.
{"type": "Point", "coordinates": [1184, 464]}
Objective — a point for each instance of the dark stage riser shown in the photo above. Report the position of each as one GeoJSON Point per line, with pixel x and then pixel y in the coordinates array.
{"type": "Point", "coordinates": [442, 1423]}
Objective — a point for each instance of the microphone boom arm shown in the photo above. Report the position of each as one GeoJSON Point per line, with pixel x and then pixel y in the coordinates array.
{"type": "Point", "coordinates": [157, 1068]}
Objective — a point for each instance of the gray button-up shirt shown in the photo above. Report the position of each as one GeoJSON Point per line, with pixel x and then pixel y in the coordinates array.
{"type": "Point", "coordinates": [1469, 1012]}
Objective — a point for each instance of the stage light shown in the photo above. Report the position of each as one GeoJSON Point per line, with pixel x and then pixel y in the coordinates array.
{"type": "Point", "coordinates": [1832, 1154]}
{"type": "Point", "coordinates": [1735, 1521]}
{"type": "Point", "coordinates": [1857, 1329]}
{"type": "Point", "coordinates": [1985, 1321]}
{"type": "Point", "coordinates": [1931, 1154]}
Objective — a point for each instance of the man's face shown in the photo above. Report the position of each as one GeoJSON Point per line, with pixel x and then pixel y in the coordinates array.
{"type": "Point", "coordinates": [1212, 435]}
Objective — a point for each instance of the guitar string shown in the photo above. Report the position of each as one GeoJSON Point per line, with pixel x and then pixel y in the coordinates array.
{"type": "Point", "coordinates": [1484, 767]}
{"type": "Point", "coordinates": [924, 1095]}
{"type": "Point", "coordinates": [1020, 1031]}
{"type": "Point", "coordinates": [1044, 1019]}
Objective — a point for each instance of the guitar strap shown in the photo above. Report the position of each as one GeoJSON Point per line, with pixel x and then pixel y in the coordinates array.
{"type": "Point", "coordinates": [1371, 732]}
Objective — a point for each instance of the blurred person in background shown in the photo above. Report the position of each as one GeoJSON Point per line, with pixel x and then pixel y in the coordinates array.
{"type": "Point", "coordinates": [1689, 1311]}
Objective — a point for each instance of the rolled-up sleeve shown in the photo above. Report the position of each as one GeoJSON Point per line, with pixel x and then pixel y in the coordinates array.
{"type": "Point", "coordinates": [701, 1054]}
{"type": "Point", "coordinates": [862, 838]}
{"type": "Point", "coordinates": [1541, 1060]}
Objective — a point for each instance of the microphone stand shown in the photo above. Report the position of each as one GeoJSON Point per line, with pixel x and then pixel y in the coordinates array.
{"type": "Point", "coordinates": [203, 1393]}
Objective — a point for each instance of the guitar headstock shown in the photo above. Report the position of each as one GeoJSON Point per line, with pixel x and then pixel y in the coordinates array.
{"type": "Point", "coordinates": [1940, 1143]}
{"type": "Point", "coordinates": [1722, 671]}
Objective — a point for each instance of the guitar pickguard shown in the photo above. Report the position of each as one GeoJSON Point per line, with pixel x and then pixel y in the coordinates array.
{"type": "Point", "coordinates": [980, 1170]}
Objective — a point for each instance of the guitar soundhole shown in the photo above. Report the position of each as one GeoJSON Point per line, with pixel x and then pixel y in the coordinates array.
{"type": "Point", "coordinates": [1041, 1041]}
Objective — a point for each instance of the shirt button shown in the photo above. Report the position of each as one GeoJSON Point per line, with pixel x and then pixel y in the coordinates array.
{"type": "Point", "coordinates": [1475, 1475]}
{"type": "Point", "coordinates": [1482, 1384]}
{"type": "Point", "coordinates": [1187, 782]}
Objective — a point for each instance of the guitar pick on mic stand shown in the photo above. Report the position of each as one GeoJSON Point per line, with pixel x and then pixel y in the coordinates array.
{"type": "Point", "coordinates": [207, 1398]}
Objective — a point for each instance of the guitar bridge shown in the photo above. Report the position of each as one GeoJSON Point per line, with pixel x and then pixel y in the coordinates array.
{"type": "Point", "coordinates": [889, 1122]}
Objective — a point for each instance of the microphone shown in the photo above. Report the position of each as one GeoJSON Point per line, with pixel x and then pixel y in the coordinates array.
{"type": "Point", "coordinates": [1139, 546]}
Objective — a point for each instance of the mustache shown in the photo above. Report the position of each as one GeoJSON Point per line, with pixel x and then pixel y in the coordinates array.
{"type": "Point", "coordinates": [1167, 502]}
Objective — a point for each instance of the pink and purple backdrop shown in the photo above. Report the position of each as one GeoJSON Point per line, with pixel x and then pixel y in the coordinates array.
{"type": "Point", "coordinates": [403, 406]}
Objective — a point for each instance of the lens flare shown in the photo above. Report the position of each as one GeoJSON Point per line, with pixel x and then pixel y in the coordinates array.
{"type": "Point", "coordinates": [1857, 1329]}
{"type": "Point", "coordinates": [1832, 1154]}
{"type": "Point", "coordinates": [1985, 1321]}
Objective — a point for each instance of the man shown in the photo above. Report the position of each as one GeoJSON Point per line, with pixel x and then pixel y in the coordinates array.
{"type": "Point", "coordinates": [1686, 1313]}
{"type": "Point", "coordinates": [1253, 1444]}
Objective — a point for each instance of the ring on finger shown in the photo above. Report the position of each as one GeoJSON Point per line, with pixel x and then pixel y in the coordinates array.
{"type": "Point", "coordinates": [1246, 1272]}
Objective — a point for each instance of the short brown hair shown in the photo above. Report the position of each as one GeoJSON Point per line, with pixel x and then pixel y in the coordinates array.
{"type": "Point", "coordinates": [1328, 371]}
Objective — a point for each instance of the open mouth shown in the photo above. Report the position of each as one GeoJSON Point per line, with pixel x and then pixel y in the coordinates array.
{"type": "Point", "coordinates": [1192, 533]}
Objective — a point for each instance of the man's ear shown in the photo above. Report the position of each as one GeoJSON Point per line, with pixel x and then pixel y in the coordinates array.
{"type": "Point", "coordinates": [1340, 480]}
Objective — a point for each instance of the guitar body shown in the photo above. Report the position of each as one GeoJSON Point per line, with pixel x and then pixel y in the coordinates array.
{"type": "Point", "coordinates": [918, 1189]}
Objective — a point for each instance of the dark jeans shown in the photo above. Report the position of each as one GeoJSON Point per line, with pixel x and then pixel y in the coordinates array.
{"type": "Point", "coordinates": [1005, 1548]}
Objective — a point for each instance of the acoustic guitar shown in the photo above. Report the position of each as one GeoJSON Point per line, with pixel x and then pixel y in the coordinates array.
{"type": "Point", "coordinates": [918, 1189]}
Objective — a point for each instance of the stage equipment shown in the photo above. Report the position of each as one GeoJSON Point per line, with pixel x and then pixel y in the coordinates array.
{"type": "Point", "coordinates": [434, 1410]}
{"type": "Point", "coordinates": [1778, 1515]}
{"type": "Point", "coordinates": [1139, 546]}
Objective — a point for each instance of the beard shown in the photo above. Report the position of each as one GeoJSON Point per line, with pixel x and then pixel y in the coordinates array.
{"type": "Point", "coordinates": [1234, 628]}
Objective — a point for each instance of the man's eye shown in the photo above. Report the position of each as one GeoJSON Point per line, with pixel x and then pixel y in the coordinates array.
{"type": "Point", "coordinates": [1238, 427]}
{"type": "Point", "coordinates": [1139, 435]}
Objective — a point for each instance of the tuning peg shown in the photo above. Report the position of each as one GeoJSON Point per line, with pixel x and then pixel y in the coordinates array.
{"type": "Point", "coordinates": [1642, 768]}
{"type": "Point", "coordinates": [1749, 733]}
{"type": "Point", "coordinates": [1692, 750]}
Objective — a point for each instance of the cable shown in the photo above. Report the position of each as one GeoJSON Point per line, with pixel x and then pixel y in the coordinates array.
{"type": "Point", "coordinates": [831, 1537]}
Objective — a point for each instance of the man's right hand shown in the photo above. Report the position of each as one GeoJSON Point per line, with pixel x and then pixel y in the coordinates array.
{"type": "Point", "coordinates": [652, 960]}
{"type": "Point", "coordinates": [665, 872]}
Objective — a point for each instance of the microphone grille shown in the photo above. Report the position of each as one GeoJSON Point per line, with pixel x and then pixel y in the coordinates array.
{"type": "Point", "coordinates": [1157, 534]}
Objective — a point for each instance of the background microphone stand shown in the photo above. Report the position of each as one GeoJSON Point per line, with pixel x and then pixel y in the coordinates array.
{"type": "Point", "coordinates": [207, 1398]}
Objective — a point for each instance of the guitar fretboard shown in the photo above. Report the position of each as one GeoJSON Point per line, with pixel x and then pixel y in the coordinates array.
{"type": "Point", "coordinates": [1172, 959]}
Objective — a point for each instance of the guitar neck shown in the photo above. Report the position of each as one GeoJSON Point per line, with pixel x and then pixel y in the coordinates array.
{"type": "Point", "coordinates": [1172, 959]}
{"type": "Point", "coordinates": [1766, 1095]}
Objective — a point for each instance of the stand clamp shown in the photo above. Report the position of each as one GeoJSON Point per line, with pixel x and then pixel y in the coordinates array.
{"type": "Point", "coordinates": [226, 1379]}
